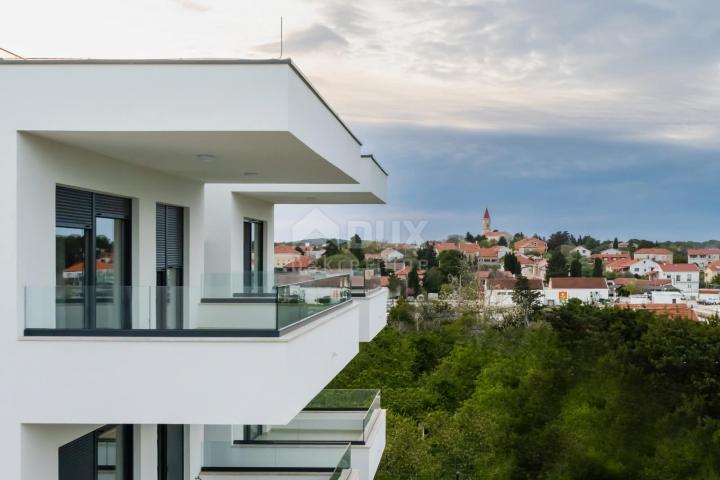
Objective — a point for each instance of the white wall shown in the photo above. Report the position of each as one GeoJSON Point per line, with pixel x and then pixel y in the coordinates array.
{"type": "Point", "coordinates": [40, 445]}
{"type": "Point", "coordinates": [43, 164]}
{"type": "Point", "coordinates": [225, 212]}
{"type": "Point", "coordinates": [373, 313]}
{"type": "Point", "coordinates": [586, 295]}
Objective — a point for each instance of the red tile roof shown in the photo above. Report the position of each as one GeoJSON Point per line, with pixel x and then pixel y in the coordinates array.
{"type": "Point", "coordinates": [672, 310]}
{"type": "Point", "coordinates": [653, 251]}
{"type": "Point", "coordinates": [704, 251]}
{"type": "Point", "coordinates": [442, 246]}
{"type": "Point", "coordinates": [285, 249]}
{"type": "Point", "coordinates": [679, 267]}
{"type": "Point", "coordinates": [621, 263]}
{"type": "Point", "coordinates": [578, 282]}
{"type": "Point", "coordinates": [300, 262]}
{"type": "Point", "coordinates": [714, 266]}
{"type": "Point", "coordinates": [610, 257]}
{"type": "Point", "coordinates": [469, 247]}
{"type": "Point", "coordinates": [80, 266]}
{"type": "Point", "coordinates": [533, 242]}
{"type": "Point", "coordinates": [491, 252]}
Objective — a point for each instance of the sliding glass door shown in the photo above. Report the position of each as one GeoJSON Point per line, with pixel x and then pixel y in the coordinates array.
{"type": "Point", "coordinates": [92, 260]}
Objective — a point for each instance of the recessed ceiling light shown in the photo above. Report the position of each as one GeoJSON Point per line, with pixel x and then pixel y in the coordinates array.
{"type": "Point", "coordinates": [250, 174]}
{"type": "Point", "coordinates": [205, 157]}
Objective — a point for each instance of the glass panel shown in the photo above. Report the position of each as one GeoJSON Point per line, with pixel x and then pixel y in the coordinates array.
{"type": "Point", "coordinates": [111, 454]}
{"type": "Point", "coordinates": [173, 314]}
{"type": "Point", "coordinates": [70, 277]}
{"type": "Point", "coordinates": [109, 273]}
{"type": "Point", "coordinates": [285, 458]}
{"type": "Point", "coordinates": [298, 301]}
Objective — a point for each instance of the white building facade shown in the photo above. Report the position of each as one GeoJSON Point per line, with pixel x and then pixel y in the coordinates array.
{"type": "Point", "coordinates": [142, 306]}
{"type": "Point", "coordinates": [703, 257]}
{"type": "Point", "coordinates": [684, 276]}
{"type": "Point", "coordinates": [560, 290]}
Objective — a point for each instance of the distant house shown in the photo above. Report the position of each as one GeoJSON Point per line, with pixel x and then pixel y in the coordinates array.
{"type": "Point", "coordinates": [391, 255]}
{"type": "Point", "coordinates": [611, 257]}
{"type": "Point", "coordinates": [633, 266]}
{"type": "Point", "coordinates": [533, 268]}
{"type": "Point", "coordinates": [444, 246]}
{"type": "Point", "coordinates": [529, 245]}
{"type": "Point", "coordinates": [659, 255]}
{"type": "Point", "coordinates": [586, 289]}
{"type": "Point", "coordinates": [580, 250]}
{"type": "Point", "coordinates": [490, 256]}
{"type": "Point", "coordinates": [498, 291]}
{"type": "Point", "coordinates": [300, 263]}
{"type": "Point", "coordinates": [373, 256]}
{"type": "Point", "coordinates": [642, 284]}
{"type": "Point", "coordinates": [684, 276]}
{"type": "Point", "coordinates": [610, 251]}
{"type": "Point", "coordinates": [712, 270]}
{"type": "Point", "coordinates": [470, 250]}
{"type": "Point", "coordinates": [285, 254]}
{"type": "Point", "coordinates": [496, 235]}
{"type": "Point", "coordinates": [703, 257]}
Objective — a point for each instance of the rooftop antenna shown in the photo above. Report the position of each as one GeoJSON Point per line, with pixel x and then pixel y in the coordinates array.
{"type": "Point", "coordinates": [281, 36]}
{"type": "Point", "coordinates": [12, 53]}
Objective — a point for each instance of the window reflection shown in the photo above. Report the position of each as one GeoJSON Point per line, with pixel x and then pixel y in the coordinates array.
{"type": "Point", "coordinates": [70, 245]}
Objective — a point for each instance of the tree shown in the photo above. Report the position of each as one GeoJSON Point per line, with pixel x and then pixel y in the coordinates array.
{"type": "Point", "coordinates": [413, 280]}
{"type": "Point", "coordinates": [383, 268]}
{"type": "Point", "coordinates": [502, 242]}
{"type": "Point", "coordinates": [615, 243]}
{"type": "Point", "coordinates": [343, 260]}
{"type": "Point", "coordinates": [576, 268]}
{"type": "Point", "coordinates": [526, 299]}
{"type": "Point", "coordinates": [356, 247]}
{"type": "Point", "coordinates": [451, 262]}
{"type": "Point", "coordinates": [426, 255]}
{"type": "Point", "coordinates": [557, 265]}
{"type": "Point", "coordinates": [558, 239]}
{"type": "Point", "coordinates": [331, 248]}
{"type": "Point", "coordinates": [598, 269]}
{"type": "Point", "coordinates": [433, 280]}
{"type": "Point", "coordinates": [469, 237]}
{"type": "Point", "coordinates": [512, 264]}
{"type": "Point", "coordinates": [299, 250]}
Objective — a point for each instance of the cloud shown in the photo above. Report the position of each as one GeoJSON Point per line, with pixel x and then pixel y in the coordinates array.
{"type": "Point", "coordinates": [192, 5]}
{"type": "Point", "coordinates": [314, 39]}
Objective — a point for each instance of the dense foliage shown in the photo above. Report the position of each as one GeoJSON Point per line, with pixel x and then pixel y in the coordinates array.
{"type": "Point", "coordinates": [576, 393]}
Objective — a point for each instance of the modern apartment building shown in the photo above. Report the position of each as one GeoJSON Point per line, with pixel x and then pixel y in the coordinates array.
{"type": "Point", "coordinates": [145, 335]}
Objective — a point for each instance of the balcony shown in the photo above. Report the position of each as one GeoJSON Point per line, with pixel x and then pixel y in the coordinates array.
{"type": "Point", "coordinates": [199, 355]}
{"type": "Point", "coordinates": [226, 305]}
{"type": "Point", "coordinates": [333, 417]}
{"type": "Point", "coordinates": [224, 460]}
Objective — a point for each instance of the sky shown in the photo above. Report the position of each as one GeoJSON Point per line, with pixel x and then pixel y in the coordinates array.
{"type": "Point", "coordinates": [597, 117]}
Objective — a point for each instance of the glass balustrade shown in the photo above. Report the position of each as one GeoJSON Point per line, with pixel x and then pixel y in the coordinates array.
{"type": "Point", "coordinates": [258, 304]}
{"type": "Point", "coordinates": [333, 416]}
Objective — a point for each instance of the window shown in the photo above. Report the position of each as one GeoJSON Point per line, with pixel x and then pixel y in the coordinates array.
{"type": "Point", "coordinates": [92, 259]}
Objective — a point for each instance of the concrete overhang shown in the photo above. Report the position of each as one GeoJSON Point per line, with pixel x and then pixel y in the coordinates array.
{"type": "Point", "coordinates": [217, 121]}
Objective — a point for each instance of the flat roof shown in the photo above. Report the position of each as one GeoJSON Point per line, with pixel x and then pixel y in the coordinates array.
{"type": "Point", "coordinates": [183, 61]}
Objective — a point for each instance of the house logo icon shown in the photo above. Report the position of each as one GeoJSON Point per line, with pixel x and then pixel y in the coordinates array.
{"type": "Point", "coordinates": [315, 224]}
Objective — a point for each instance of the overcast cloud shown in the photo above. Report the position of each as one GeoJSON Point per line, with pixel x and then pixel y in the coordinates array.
{"type": "Point", "coordinates": [598, 117]}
